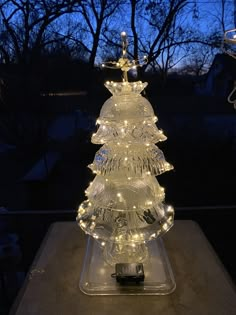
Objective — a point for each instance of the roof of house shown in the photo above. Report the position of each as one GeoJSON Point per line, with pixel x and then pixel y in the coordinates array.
{"type": "Point", "coordinates": [228, 64]}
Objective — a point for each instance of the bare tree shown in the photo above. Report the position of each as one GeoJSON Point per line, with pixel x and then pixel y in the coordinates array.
{"type": "Point", "coordinates": [25, 26]}
{"type": "Point", "coordinates": [234, 13]}
{"type": "Point", "coordinates": [96, 14]}
{"type": "Point", "coordinates": [198, 61]}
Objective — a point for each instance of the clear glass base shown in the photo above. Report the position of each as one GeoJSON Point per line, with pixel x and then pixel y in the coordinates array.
{"type": "Point", "coordinates": [96, 274]}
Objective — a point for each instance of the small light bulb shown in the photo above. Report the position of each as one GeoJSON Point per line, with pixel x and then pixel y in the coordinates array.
{"type": "Point", "coordinates": [165, 226]}
{"type": "Point", "coordinates": [153, 235]}
{"type": "Point", "coordinates": [126, 158]}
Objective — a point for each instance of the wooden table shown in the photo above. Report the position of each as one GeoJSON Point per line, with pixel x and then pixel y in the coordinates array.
{"type": "Point", "coordinates": [52, 286]}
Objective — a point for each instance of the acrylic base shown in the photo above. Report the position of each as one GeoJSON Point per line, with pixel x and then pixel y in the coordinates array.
{"type": "Point", "coordinates": [96, 274]}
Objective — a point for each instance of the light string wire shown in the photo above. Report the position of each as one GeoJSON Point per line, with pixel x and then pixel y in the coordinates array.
{"type": "Point", "coordinates": [124, 64]}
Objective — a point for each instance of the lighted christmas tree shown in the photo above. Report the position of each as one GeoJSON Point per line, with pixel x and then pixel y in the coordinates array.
{"type": "Point", "coordinates": [125, 204]}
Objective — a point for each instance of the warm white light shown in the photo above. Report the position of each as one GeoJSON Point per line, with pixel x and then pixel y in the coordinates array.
{"type": "Point", "coordinates": [170, 209]}
{"type": "Point", "coordinates": [123, 34]}
{"type": "Point", "coordinates": [165, 226]}
{"type": "Point", "coordinates": [126, 158]}
{"type": "Point", "coordinates": [82, 224]}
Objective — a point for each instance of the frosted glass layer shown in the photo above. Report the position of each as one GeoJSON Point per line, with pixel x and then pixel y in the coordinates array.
{"type": "Point", "coordinates": [130, 195]}
{"type": "Point", "coordinates": [125, 227]}
{"type": "Point", "coordinates": [134, 160]}
{"type": "Point", "coordinates": [128, 131]}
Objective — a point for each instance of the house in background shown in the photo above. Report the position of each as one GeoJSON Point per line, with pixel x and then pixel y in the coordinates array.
{"type": "Point", "coordinates": [219, 81]}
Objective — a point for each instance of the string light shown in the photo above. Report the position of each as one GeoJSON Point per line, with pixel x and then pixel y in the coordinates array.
{"type": "Point", "coordinates": [125, 197]}
{"type": "Point", "coordinates": [124, 63]}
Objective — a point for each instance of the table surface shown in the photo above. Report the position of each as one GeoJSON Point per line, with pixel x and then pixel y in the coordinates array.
{"type": "Point", "coordinates": [52, 285]}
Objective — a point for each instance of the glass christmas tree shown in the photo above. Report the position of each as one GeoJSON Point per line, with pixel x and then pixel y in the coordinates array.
{"type": "Point", "coordinates": [125, 206]}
